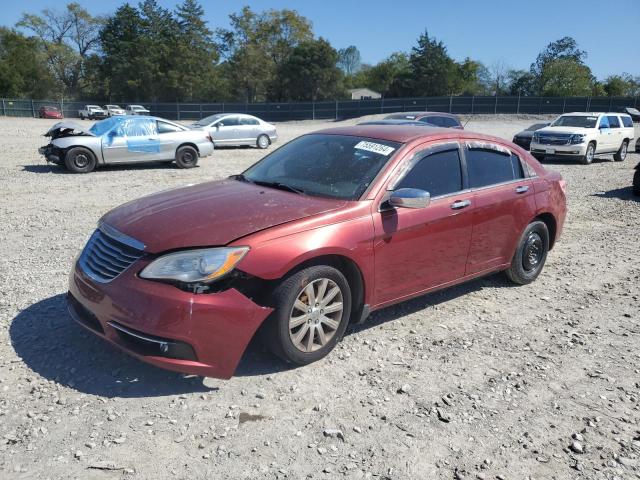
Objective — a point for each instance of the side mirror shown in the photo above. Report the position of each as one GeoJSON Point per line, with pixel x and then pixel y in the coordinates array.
{"type": "Point", "coordinates": [410, 198]}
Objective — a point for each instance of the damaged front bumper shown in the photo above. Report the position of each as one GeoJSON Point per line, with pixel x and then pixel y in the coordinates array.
{"type": "Point", "coordinates": [51, 153]}
{"type": "Point", "coordinates": [202, 334]}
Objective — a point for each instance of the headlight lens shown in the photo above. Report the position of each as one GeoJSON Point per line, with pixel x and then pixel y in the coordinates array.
{"type": "Point", "coordinates": [577, 138]}
{"type": "Point", "coordinates": [190, 266]}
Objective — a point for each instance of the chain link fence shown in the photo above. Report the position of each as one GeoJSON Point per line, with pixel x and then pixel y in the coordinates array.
{"type": "Point", "coordinates": [341, 109]}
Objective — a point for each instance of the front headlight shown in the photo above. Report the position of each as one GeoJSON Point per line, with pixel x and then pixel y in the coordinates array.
{"type": "Point", "coordinates": [577, 138]}
{"type": "Point", "coordinates": [191, 266]}
{"type": "Point", "coordinates": [536, 138]}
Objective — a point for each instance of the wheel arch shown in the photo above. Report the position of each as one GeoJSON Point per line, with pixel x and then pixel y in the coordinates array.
{"type": "Point", "coordinates": [552, 225]}
{"type": "Point", "coordinates": [187, 144]}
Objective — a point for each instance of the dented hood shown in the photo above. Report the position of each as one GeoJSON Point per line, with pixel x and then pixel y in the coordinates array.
{"type": "Point", "coordinates": [211, 214]}
{"type": "Point", "coordinates": [68, 128]}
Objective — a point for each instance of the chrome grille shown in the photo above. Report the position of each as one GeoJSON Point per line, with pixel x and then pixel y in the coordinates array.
{"type": "Point", "coordinates": [108, 253]}
{"type": "Point", "coordinates": [555, 139]}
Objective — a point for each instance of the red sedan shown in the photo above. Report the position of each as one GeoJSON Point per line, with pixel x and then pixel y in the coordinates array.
{"type": "Point", "coordinates": [49, 112]}
{"type": "Point", "coordinates": [321, 232]}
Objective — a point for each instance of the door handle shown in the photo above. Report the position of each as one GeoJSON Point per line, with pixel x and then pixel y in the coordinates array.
{"type": "Point", "coordinates": [152, 139]}
{"type": "Point", "coordinates": [457, 205]}
{"type": "Point", "coordinates": [522, 189]}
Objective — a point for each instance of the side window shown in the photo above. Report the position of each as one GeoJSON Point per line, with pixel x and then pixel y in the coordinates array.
{"type": "Point", "coordinates": [248, 121]}
{"type": "Point", "coordinates": [626, 121]}
{"type": "Point", "coordinates": [613, 121]}
{"type": "Point", "coordinates": [450, 122]}
{"type": "Point", "coordinates": [439, 174]}
{"type": "Point", "coordinates": [437, 121]}
{"type": "Point", "coordinates": [137, 127]}
{"type": "Point", "coordinates": [490, 167]}
{"type": "Point", "coordinates": [604, 122]}
{"type": "Point", "coordinates": [164, 127]}
{"type": "Point", "coordinates": [230, 121]}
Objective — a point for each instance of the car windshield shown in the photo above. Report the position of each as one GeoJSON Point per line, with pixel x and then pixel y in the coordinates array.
{"type": "Point", "coordinates": [581, 121]}
{"type": "Point", "coordinates": [335, 166]}
{"type": "Point", "coordinates": [208, 120]}
{"type": "Point", "coordinates": [536, 126]}
{"type": "Point", "coordinates": [103, 126]}
{"type": "Point", "coordinates": [53, 109]}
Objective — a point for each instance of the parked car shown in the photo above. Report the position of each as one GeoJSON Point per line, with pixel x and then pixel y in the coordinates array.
{"type": "Point", "coordinates": [524, 137]}
{"type": "Point", "coordinates": [49, 112]}
{"type": "Point", "coordinates": [396, 122]}
{"type": "Point", "coordinates": [114, 110]}
{"type": "Point", "coordinates": [329, 227]}
{"type": "Point", "coordinates": [437, 119]}
{"type": "Point", "coordinates": [125, 139]}
{"type": "Point", "coordinates": [137, 110]}
{"type": "Point", "coordinates": [583, 136]}
{"type": "Point", "coordinates": [634, 113]}
{"type": "Point", "coordinates": [92, 112]}
{"type": "Point", "coordinates": [235, 129]}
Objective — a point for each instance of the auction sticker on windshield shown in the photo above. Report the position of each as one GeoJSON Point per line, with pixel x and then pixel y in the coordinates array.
{"type": "Point", "coordinates": [375, 148]}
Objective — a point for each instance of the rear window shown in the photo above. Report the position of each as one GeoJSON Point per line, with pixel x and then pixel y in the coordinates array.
{"type": "Point", "coordinates": [613, 121]}
{"type": "Point", "coordinates": [450, 122]}
{"type": "Point", "coordinates": [626, 121]}
{"type": "Point", "coordinates": [490, 167]}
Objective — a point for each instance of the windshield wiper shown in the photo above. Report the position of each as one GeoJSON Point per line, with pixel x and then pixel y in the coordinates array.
{"type": "Point", "coordinates": [278, 185]}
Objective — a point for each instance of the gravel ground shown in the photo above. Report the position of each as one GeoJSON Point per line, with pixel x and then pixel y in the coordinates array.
{"type": "Point", "coordinates": [484, 380]}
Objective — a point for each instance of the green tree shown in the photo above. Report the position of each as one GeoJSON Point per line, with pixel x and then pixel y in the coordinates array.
{"type": "Point", "coordinates": [433, 71]}
{"type": "Point", "coordinates": [566, 77]}
{"type": "Point", "coordinates": [383, 75]}
{"type": "Point", "coordinates": [565, 48]}
{"type": "Point", "coordinates": [23, 69]}
{"type": "Point", "coordinates": [621, 85]}
{"type": "Point", "coordinates": [69, 38]}
{"type": "Point", "coordinates": [311, 73]}
{"type": "Point", "coordinates": [522, 82]}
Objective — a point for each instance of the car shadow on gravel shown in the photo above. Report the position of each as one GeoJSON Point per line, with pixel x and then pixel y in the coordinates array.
{"type": "Point", "coordinates": [105, 168]}
{"type": "Point", "coordinates": [625, 193]}
{"type": "Point", "coordinates": [51, 344]}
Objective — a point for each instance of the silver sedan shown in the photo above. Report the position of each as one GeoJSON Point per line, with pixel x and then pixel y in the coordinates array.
{"type": "Point", "coordinates": [125, 139]}
{"type": "Point", "coordinates": [238, 129]}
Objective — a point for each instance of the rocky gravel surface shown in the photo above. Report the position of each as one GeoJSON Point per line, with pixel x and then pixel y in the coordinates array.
{"type": "Point", "coordinates": [480, 381]}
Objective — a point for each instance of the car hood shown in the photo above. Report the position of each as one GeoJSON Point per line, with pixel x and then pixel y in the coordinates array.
{"type": "Point", "coordinates": [565, 130]}
{"type": "Point", "coordinates": [66, 129]}
{"type": "Point", "coordinates": [525, 134]}
{"type": "Point", "coordinates": [211, 214]}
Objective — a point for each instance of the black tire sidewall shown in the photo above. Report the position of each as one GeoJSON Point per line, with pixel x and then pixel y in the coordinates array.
{"type": "Point", "coordinates": [285, 295]}
{"type": "Point", "coordinates": [636, 182]}
{"type": "Point", "coordinates": [618, 155]}
{"type": "Point", "coordinates": [180, 152]}
{"type": "Point", "coordinates": [258, 141]}
{"type": "Point", "coordinates": [585, 158]}
{"type": "Point", "coordinates": [516, 271]}
{"type": "Point", "coordinates": [69, 160]}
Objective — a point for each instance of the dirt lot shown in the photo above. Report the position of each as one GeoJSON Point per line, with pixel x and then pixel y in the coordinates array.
{"type": "Point", "coordinates": [485, 380]}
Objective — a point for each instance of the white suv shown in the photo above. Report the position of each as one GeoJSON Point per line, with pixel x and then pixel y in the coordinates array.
{"type": "Point", "coordinates": [584, 135]}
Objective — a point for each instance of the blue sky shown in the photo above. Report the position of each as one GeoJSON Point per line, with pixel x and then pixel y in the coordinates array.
{"type": "Point", "coordinates": [491, 31]}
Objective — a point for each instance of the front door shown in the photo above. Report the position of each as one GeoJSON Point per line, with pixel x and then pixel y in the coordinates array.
{"type": "Point", "coordinates": [226, 131]}
{"type": "Point", "coordinates": [504, 205]}
{"type": "Point", "coordinates": [132, 140]}
{"type": "Point", "coordinates": [418, 249]}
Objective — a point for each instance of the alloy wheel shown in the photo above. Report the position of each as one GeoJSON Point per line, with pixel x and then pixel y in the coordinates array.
{"type": "Point", "coordinates": [315, 315]}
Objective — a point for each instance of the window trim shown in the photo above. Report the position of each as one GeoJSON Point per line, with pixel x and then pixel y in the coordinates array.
{"type": "Point", "coordinates": [481, 145]}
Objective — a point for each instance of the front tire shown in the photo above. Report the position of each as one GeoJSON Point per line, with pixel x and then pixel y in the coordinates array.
{"type": "Point", "coordinates": [80, 160]}
{"type": "Point", "coordinates": [186, 157]}
{"type": "Point", "coordinates": [263, 142]}
{"type": "Point", "coordinates": [589, 154]}
{"type": "Point", "coordinates": [530, 255]}
{"type": "Point", "coordinates": [312, 310]}
{"type": "Point", "coordinates": [621, 154]}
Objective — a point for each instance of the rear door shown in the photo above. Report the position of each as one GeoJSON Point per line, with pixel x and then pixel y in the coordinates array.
{"type": "Point", "coordinates": [418, 249]}
{"type": "Point", "coordinates": [168, 135]}
{"type": "Point", "coordinates": [248, 129]}
{"type": "Point", "coordinates": [617, 132]}
{"type": "Point", "coordinates": [504, 203]}
{"type": "Point", "coordinates": [604, 135]}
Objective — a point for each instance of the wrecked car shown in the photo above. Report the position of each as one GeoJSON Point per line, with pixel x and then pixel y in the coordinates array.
{"type": "Point", "coordinates": [125, 139]}
{"type": "Point", "coordinates": [329, 227]}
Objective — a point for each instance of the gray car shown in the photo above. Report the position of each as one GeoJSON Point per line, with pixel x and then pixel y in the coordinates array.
{"type": "Point", "coordinates": [234, 129]}
{"type": "Point", "coordinates": [125, 139]}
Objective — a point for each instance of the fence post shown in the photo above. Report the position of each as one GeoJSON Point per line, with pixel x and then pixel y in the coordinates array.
{"type": "Point", "coordinates": [635, 101]}
{"type": "Point", "coordinates": [450, 103]}
{"type": "Point", "coordinates": [495, 106]}
{"type": "Point", "coordinates": [564, 104]}
{"type": "Point", "coordinates": [178, 109]}
{"type": "Point", "coordinates": [33, 112]}
{"type": "Point", "coordinates": [200, 110]}
{"type": "Point", "coordinates": [518, 107]}
{"type": "Point", "coordinates": [313, 109]}
{"type": "Point", "coordinates": [4, 108]}
{"type": "Point", "coordinates": [382, 105]}
{"type": "Point", "coordinates": [588, 104]}
{"type": "Point", "coordinates": [222, 107]}
{"type": "Point", "coordinates": [610, 102]}
{"type": "Point", "coordinates": [336, 109]}
{"type": "Point", "coordinates": [473, 101]}
{"type": "Point", "coordinates": [540, 107]}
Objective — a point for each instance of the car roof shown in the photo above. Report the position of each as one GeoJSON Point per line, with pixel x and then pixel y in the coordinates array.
{"type": "Point", "coordinates": [406, 133]}
{"type": "Point", "coordinates": [591, 114]}
{"type": "Point", "coordinates": [423, 114]}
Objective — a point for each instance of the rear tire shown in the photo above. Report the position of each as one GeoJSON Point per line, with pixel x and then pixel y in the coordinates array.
{"type": "Point", "coordinates": [80, 160]}
{"type": "Point", "coordinates": [307, 334]}
{"type": "Point", "coordinates": [589, 154]}
{"type": "Point", "coordinates": [186, 157]}
{"type": "Point", "coordinates": [530, 255]}
{"type": "Point", "coordinates": [621, 154]}
{"type": "Point", "coordinates": [263, 142]}
{"type": "Point", "coordinates": [636, 182]}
